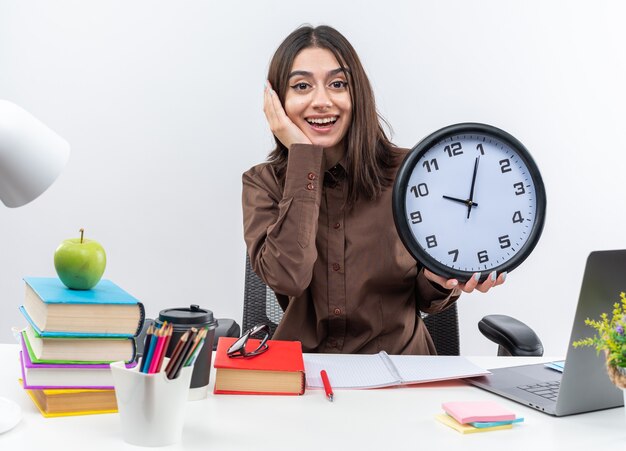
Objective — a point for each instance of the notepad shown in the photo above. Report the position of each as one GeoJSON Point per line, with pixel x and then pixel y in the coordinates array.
{"type": "Point", "coordinates": [489, 424]}
{"type": "Point", "coordinates": [467, 428]}
{"type": "Point", "coordinates": [360, 371]}
{"type": "Point", "coordinates": [481, 411]}
{"type": "Point", "coordinates": [556, 366]}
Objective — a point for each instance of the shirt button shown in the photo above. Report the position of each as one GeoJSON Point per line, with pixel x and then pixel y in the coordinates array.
{"type": "Point", "coordinates": [337, 311]}
{"type": "Point", "coordinates": [337, 225]}
{"type": "Point", "coordinates": [311, 176]}
{"type": "Point", "coordinates": [336, 267]}
{"type": "Point", "coordinates": [310, 187]}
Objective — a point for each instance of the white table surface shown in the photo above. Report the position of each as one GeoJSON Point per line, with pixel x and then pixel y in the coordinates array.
{"type": "Point", "coordinates": [381, 420]}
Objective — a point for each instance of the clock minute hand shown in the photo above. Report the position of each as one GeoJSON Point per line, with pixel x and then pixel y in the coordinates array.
{"type": "Point", "coordinates": [462, 201]}
{"type": "Point", "coordinates": [470, 201]}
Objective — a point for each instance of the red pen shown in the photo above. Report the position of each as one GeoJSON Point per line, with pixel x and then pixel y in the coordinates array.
{"type": "Point", "coordinates": [327, 388]}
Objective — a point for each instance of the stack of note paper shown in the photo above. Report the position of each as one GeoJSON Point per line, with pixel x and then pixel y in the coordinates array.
{"type": "Point", "coordinates": [467, 417]}
{"type": "Point", "coordinates": [557, 366]}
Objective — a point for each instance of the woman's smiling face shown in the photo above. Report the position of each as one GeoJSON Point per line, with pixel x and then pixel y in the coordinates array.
{"type": "Point", "coordinates": [317, 99]}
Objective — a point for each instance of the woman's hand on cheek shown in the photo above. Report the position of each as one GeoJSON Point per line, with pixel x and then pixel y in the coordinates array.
{"type": "Point", "coordinates": [281, 126]}
{"type": "Point", "coordinates": [472, 284]}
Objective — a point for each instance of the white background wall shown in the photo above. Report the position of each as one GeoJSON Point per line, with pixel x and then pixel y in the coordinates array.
{"type": "Point", "coordinates": [161, 102]}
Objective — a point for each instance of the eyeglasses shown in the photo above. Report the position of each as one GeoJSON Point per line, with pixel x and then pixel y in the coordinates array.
{"type": "Point", "coordinates": [238, 348]}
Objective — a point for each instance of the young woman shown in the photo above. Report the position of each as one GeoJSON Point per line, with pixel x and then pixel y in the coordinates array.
{"type": "Point", "coordinates": [317, 215]}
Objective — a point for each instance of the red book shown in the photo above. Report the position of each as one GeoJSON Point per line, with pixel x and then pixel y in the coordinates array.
{"type": "Point", "coordinates": [277, 371]}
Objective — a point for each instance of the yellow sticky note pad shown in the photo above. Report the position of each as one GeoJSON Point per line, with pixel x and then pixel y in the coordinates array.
{"type": "Point", "coordinates": [467, 428]}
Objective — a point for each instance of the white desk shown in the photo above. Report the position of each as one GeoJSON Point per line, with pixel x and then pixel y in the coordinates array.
{"type": "Point", "coordinates": [380, 420]}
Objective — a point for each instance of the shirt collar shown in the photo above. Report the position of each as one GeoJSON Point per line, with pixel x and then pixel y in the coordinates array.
{"type": "Point", "coordinates": [335, 174]}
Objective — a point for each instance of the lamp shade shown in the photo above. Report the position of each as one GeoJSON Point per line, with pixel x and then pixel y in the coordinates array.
{"type": "Point", "coordinates": [31, 155]}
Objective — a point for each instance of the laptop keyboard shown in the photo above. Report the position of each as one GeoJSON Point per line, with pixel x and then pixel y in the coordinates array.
{"type": "Point", "coordinates": [548, 390]}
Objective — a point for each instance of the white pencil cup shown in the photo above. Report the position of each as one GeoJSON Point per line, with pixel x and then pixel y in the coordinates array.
{"type": "Point", "coordinates": [151, 406]}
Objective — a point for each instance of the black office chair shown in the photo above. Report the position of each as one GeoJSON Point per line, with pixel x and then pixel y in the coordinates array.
{"type": "Point", "coordinates": [513, 337]}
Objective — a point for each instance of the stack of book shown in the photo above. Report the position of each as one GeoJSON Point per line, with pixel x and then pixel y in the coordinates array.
{"type": "Point", "coordinates": [468, 417]}
{"type": "Point", "coordinates": [70, 339]}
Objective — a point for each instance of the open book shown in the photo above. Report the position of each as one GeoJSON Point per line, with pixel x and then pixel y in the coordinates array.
{"type": "Point", "coordinates": [384, 370]}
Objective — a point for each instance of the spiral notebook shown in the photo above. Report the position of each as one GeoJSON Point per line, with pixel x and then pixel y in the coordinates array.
{"type": "Point", "coordinates": [359, 371]}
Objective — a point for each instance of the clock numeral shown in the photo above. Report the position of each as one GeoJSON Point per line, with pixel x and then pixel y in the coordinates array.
{"type": "Point", "coordinates": [420, 190]}
{"type": "Point", "coordinates": [453, 149]}
{"type": "Point", "coordinates": [519, 188]}
{"type": "Point", "coordinates": [504, 241]}
{"type": "Point", "coordinates": [431, 241]}
{"type": "Point", "coordinates": [483, 257]}
{"type": "Point", "coordinates": [517, 217]}
{"type": "Point", "coordinates": [430, 165]}
{"type": "Point", "coordinates": [480, 147]}
{"type": "Point", "coordinates": [454, 252]}
{"type": "Point", "coordinates": [505, 165]}
{"type": "Point", "coordinates": [416, 217]}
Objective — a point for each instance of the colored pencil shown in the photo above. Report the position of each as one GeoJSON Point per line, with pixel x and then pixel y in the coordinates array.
{"type": "Point", "coordinates": [181, 342]}
{"type": "Point", "coordinates": [153, 343]}
{"type": "Point", "coordinates": [178, 364]}
{"type": "Point", "coordinates": [146, 348]}
{"type": "Point", "coordinates": [194, 356]}
{"type": "Point", "coordinates": [168, 337]}
{"type": "Point", "coordinates": [158, 349]}
{"type": "Point", "coordinates": [198, 343]}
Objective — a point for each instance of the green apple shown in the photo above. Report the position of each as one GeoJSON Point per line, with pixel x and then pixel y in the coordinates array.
{"type": "Point", "coordinates": [79, 262]}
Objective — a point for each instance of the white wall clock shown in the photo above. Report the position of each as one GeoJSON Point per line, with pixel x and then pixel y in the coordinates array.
{"type": "Point", "coordinates": [469, 198]}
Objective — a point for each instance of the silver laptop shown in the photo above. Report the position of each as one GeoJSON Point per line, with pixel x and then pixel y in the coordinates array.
{"type": "Point", "coordinates": [584, 385]}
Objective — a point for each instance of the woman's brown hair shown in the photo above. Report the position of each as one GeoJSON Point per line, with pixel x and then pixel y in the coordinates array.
{"type": "Point", "coordinates": [369, 153]}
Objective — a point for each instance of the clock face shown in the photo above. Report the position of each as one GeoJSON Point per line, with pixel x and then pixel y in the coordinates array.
{"type": "Point", "coordinates": [469, 198]}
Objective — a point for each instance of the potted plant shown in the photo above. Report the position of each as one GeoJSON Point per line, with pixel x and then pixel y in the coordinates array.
{"type": "Point", "coordinates": [610, 338]}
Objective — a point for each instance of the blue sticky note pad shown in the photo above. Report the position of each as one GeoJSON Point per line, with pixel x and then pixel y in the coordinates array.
{"type": "Point", "coordinates": [557, 366]}
{"type": "Point", "coordinates": [488, 424]}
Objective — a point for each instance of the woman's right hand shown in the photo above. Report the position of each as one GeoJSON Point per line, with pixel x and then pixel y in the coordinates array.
{"type": "Point", "coordinates": [281, 126]}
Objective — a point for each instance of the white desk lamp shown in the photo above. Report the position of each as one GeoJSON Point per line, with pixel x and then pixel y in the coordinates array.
{"type": "Point", "coordinates": [31, 158]}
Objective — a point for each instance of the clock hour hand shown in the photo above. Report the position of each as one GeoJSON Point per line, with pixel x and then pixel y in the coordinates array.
{"type": "Point", "coordinates": [467, 202]}
{"type": "Point", "coordinates": [470, 201]}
